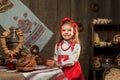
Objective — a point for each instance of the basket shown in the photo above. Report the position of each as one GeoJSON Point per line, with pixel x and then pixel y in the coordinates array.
{"type": "Point", "coordinates": [112, 73]}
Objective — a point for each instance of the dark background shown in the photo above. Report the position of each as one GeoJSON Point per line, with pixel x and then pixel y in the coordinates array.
{"type": "Point", "coordinates": [50, 12]}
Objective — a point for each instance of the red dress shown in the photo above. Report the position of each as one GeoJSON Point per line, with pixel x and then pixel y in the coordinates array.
{"type": "Point", "coordinates": [69, 56]}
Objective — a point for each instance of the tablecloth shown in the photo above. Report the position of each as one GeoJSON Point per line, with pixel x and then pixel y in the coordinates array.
{"type": "Point", "coordinates": [40, 73]}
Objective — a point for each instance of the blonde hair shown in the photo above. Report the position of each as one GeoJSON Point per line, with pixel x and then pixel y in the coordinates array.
{"type": "Point", "coordinates": [75, 37]}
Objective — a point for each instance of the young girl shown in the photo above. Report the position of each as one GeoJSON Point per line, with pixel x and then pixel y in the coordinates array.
{"type": "Point", "coordinates": [67, 50]}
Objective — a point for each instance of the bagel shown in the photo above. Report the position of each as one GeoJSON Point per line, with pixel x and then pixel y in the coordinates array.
{"type": "Point", "coordinates": [26, 68]}
{"type": "Point", "coordinates": [26, 62]}
{"type": "Point", "coordinates": [31, 63]}
{"type": "Point", "coordinates": [22, 62]}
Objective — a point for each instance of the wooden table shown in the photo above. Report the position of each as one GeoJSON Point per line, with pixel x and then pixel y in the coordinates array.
{"type": "Point", "coordinates": [40, 73]}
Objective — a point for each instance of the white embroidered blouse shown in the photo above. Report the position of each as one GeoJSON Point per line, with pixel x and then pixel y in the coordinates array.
{"type": "Point", "coordinates": [69, 56]}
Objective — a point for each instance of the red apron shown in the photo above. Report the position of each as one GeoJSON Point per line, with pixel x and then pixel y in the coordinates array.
{"type": "Point", "coordinates": [74, 72]}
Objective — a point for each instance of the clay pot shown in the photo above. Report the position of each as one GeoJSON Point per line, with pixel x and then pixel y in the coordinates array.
{"type": "Point", "coordinates": [116, 39]}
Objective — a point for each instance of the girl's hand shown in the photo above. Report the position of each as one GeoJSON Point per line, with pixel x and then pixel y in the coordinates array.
{"type": "Point", "coordinates": [58, 65]}
{"type": "Point", "coordinates": [50, 62]}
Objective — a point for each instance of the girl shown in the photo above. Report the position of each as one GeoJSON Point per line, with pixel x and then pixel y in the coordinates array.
{"type": "Point", "coordinates": [67, 50]}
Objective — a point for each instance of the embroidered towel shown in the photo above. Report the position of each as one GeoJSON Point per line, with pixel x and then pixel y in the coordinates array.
{"type": "Point", "coordinates": [19, 16]}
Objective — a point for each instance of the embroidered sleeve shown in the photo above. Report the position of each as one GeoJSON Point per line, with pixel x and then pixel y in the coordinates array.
{"type": "Point", "coordinates": [73, 57]}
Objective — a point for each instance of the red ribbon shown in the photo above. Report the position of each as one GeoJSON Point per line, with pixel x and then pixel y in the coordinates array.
{"type": "Point", "coordinates": [69, 20]}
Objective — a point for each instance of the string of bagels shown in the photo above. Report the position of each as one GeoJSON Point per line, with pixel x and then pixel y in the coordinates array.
{"type": "Point", "coordinates": [3, 39]}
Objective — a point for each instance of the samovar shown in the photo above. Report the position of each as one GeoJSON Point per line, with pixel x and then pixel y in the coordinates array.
{"type": "Point", "coordinates": [12, 42]}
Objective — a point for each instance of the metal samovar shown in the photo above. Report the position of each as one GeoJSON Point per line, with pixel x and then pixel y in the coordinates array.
{"type": "Point", "coordinates": [12, 40]}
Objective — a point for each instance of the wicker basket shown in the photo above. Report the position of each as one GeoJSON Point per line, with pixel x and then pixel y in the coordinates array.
{"type": "Point", "coordinates": [112, 73]}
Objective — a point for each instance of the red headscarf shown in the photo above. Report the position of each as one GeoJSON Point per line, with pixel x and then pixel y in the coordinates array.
{"type": "Point", "coordinates": [69, 20]}
{"type": "Point", "coordinates": [75, 26]}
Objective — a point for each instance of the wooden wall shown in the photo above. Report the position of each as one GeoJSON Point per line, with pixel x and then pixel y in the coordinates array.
{"type": "Point", "coordinates": [50, 12]}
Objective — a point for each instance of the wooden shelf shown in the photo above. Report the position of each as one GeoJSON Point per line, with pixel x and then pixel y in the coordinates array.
{"type": "Point", "coordinates": [106, 33]}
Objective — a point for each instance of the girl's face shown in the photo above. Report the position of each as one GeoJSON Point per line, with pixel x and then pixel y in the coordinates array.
{"type": "Point", "coordinates": [67, 31]}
